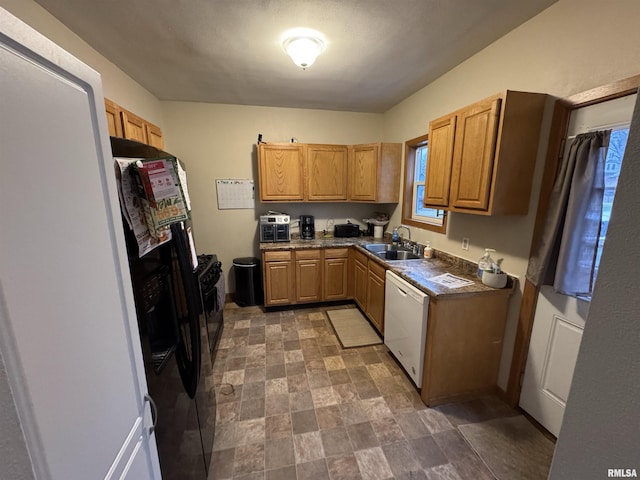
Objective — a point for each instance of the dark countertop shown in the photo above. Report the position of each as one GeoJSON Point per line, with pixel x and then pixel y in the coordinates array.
{"type": "Point", "coordinates": [416, 272]}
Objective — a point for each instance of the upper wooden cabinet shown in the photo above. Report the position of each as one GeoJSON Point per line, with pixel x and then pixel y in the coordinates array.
{"type": "Point", "coordinates": [281, 169]}
{"type": "Point", "coordinates": [122, 123]}
{"type": "Point", "coordinates": [329, 173]}
{"type": "Point", "coordinates": [114, 121]}
{"type": "Point", "coordinates": [327, 170]}
{"type": "Point", "coordinates": [374, 172]}
{"type": "Point", "coordinates": [481, 158]}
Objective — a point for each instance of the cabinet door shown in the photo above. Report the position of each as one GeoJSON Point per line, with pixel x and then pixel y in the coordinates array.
{"type": "Point", "coordinates": [114, 122]}
{"type": "Point", "coordinates": [308, 276]}
{"type": "Point", "coordinates": [281, 171]}
{"type": "Point", "coordinates": [475, 142]}
{"type": "Point", "coordinates": [308, 285]}
{"type": "Point", "coordinates": [154, 136]}
{"type": "Point", "coordinates": [363, 172]}
{"type": "Point", "coordinates": [336, 274]}
{"type": "Point", "coordinates": [360, 283]}
{"type": "Point", "coordinates": [326, 172]}
{"type": "Point", "coordinates": [133, 127]}
{"type": "Point", "coordinates": [375, 296]}
{"type": "Point", "coordinates": [278, 287]}
{"type": "Point", "coordinates": [439, 158]}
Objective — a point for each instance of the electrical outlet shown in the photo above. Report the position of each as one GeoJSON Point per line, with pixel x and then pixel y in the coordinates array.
{"type": "Point", "coordinates": [465, 243]}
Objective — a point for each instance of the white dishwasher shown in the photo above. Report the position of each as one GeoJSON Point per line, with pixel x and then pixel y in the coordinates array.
{"type": "Point", "coordinates": [405, 324]}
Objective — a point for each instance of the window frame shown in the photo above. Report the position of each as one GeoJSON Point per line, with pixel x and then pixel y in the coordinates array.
{"type": "Point", "coordinates": [411, 147]}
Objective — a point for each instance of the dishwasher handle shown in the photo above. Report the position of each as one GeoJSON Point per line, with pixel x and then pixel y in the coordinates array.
{"type": "Point", "coordinates": [405, 289]}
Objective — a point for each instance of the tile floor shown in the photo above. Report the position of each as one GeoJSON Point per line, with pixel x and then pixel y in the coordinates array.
{"type": "Point", "coordinates": [292, 404]}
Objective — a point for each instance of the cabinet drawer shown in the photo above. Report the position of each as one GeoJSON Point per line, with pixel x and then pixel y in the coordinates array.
{"type": "Point", "coordinates": [377, 269]}
{"type": "Point", "coordinates": [336, 253]}
{"type": "Point", "coordinates": [360, 257]}
{"type": "Point", "coordinates": [277, 256]}
{"type": "Point", "coordinates": [307, 254]}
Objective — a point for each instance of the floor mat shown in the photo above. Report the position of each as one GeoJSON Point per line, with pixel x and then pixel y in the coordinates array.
{"type": "Point", "coordinates": [512, 448]}
{"type": "Point", "coordinates": [352, 329]}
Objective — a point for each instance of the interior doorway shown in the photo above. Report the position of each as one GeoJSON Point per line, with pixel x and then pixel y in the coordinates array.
{"type": "Point", "coordinates": [559, 319]}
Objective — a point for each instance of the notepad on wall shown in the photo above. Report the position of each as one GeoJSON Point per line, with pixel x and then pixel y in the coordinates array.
{"type": "Point", "coordinates": [235, 193]}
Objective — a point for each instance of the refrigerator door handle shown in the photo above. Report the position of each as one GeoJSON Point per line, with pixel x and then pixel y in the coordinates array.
{"type": "Point", "coordinates": [154, 412]}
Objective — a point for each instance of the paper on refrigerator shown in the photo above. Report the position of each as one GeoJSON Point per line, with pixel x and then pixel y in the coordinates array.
{"type": "Point", "coordinates": [132, 208]}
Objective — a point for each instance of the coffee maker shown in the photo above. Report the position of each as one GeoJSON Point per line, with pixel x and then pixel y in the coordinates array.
{"type": "Point", "coordinates": [307, 227]}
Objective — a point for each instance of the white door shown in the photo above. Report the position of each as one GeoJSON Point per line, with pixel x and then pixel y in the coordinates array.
{"type": "Point", "coordinates": [68, 331]}
{"type": "Point", "coordinates": [559, 319]}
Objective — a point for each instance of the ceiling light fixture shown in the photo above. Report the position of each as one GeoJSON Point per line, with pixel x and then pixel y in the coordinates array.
{"type": "Point", "coordinates": [303, 49]}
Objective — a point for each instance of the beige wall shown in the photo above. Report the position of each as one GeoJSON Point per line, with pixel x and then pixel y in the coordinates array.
{"type": "Point", "coordinates": [572, 46]}
{"type": "Point", "coordinates": [219, 141]}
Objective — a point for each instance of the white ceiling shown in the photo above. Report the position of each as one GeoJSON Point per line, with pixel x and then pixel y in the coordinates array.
{"type": "Point", "coordinates": [228, 51]}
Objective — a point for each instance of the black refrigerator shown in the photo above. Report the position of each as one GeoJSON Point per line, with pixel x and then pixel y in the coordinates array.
{"type": "Point", "coordinates": [174, 334]}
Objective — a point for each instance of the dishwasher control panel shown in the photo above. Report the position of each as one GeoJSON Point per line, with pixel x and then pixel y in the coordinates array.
{"type": "Point", "coordinates": [406, 311]}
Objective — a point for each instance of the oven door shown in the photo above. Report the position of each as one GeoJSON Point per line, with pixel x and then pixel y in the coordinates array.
{"type": "Point", "coordinates": [267, 232]}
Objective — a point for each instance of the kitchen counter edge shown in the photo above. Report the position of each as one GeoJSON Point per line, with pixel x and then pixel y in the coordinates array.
{"type": "Point", "coordinates": [416, 272]}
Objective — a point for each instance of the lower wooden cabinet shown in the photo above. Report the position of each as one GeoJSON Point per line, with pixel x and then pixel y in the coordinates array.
{"type": "Point", "coordinates": [305, 276]}
{"type": "Point", "coordinates": [360, 276]}
{"type": "Point", "coordinates": [336, 274]}
{"type": "Point", "coordinates": [375, 295]}
{"type": "Point", "coordinates": [368, 288]}
{"type": "Point", "coordinates": [278, 277]}
{"type": "Point", "coordinates": [464, 345]}
{"type": "Point", "coordinates": [308, 275]}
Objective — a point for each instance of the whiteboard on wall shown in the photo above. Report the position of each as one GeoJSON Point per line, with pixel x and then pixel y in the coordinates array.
{"type": "Point", "coordinates": [235, 193]}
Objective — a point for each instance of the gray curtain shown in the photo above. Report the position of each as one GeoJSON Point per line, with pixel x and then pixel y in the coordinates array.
{"type": "Point", "coordinates": [566, 255]}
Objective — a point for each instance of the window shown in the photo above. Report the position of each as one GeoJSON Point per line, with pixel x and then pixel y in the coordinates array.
{"type": "Point", "coordinates": [615, 152]}
{"type": "Point", "coordinates": [414, 212]}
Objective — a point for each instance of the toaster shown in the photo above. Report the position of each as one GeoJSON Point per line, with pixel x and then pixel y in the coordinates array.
{"type": "Point", "coordinates": [346, 230]}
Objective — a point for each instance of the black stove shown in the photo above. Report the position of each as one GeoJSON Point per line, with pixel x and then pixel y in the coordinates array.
{"type": "Point", "coordinates": [212, 289]}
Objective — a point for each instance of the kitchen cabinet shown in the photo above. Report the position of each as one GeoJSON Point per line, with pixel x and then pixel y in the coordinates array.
{"type": "Point", "coordinates": [336, 274]}
{"type": "Point", "coordinates": [375, 295]}
{"type": "Point", "coordinates": [114, 122]}
{"type": "Point", "coordinates": [281, 172]}
{"type": "Point", "coordinates": [327, 169]}
{"type": "Point", "coordinates": [481, 158]}
{"type": "Point", "coordinates": [368, 288]}
{"type": "Point", "coordinates": [360, 274]}
{"type": "Point", "coordinates": [374, 172]}
{"type": "Point", "coordinates": [278, 276]}
{"type": "Point", "coordinates": [308, 275]}
{"type": "Point", "coordinates": [305, 275]}
{"type": "Point", "coordinates": [464, 345]}
{"type": "Point", "coordinates": [296, 172]}
{"type": "Point", "coordinates": [125, 124]}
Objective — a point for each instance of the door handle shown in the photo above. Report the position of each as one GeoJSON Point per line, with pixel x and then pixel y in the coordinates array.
{"type": "Point", "coordinates": [154, 412]}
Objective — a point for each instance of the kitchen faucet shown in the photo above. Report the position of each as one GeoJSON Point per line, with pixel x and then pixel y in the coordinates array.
{"type": "Point", "coordinates": [408, 231]}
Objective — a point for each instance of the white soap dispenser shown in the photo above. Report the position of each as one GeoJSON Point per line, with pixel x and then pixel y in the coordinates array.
{"type": "Point", "coordinates": [486, 262]}
{"type": "Point", "coordinates": [428, 251]}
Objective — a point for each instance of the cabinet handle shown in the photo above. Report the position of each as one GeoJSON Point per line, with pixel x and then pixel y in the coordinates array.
{"type": "Point", "coordinates": [154, 412]}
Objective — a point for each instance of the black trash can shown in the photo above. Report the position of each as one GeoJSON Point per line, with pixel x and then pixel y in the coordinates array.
{"type": "Point", "coordinates": [248, 281]}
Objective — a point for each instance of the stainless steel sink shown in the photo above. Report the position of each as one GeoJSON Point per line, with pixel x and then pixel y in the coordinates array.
{"type": "Point", "coordinates": [391, 255]}
{"type": "Point", "coordinates": [390, 252]}
{"type": "Point", "coordinates": [379, 247]}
